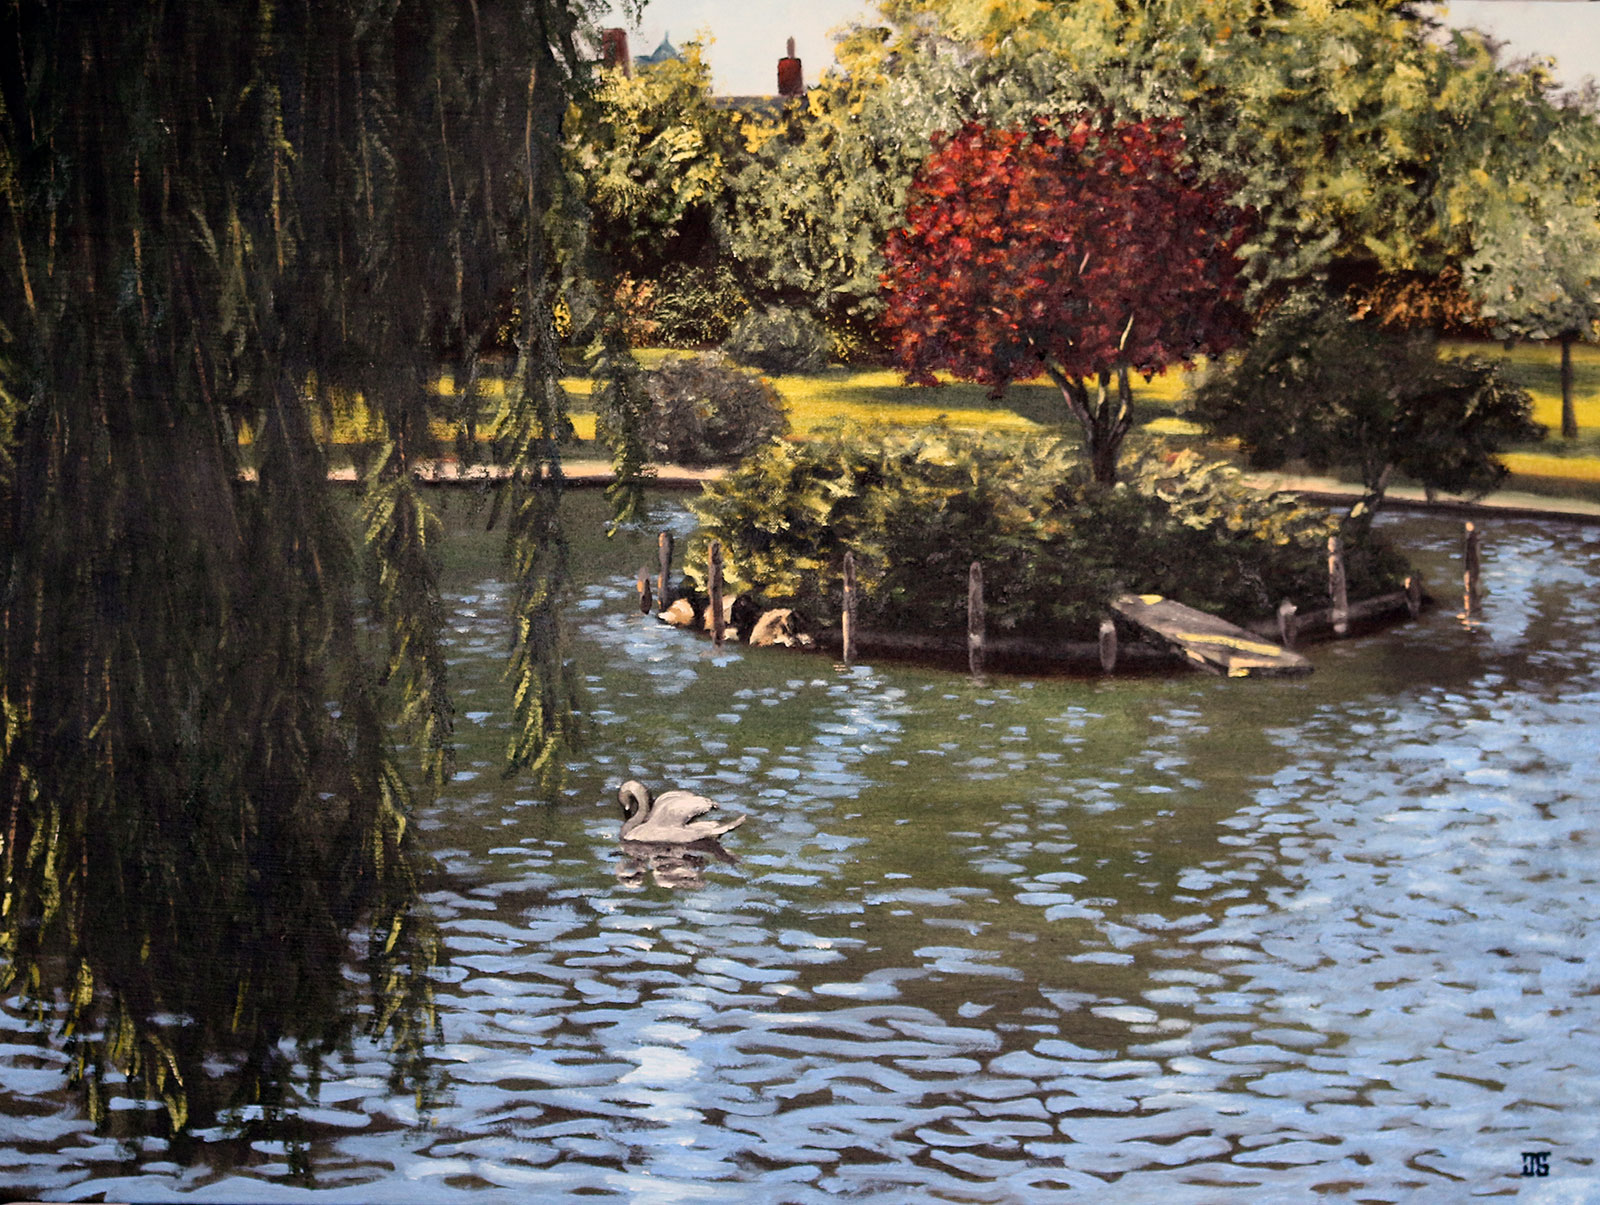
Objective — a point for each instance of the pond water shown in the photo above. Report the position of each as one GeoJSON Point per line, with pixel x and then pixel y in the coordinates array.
{"type": "Point", "coordinates": [1175, 939]}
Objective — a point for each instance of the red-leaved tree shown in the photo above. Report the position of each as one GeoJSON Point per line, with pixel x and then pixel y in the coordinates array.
{"type": "Point", "coordinates": [1079, 248]}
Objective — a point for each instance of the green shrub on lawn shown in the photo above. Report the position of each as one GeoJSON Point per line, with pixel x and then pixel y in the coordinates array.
{"type": "Point", "coordinates": [704, 410]}
{"type": "Point", "coordinates": [916, 508]}
{"type": "Point", "coordinates": [780, 339]}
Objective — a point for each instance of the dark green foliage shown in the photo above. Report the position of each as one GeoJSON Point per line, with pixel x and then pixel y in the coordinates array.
{"type": "Point", "coordinates": [917, 508]}
{"type": "Point", "coordinates": [223, 217]}
{"type": "Point", "coordinates": [652, 149]}
{"type": "Point", "coordinates": [404, 535]}
{"type": "Point", "coordinates": [704, 410]}
{"type": "Point", "coordinates": [621, 408]}
{"type": "Point", "coordinates": [779, 339]}
{"type": "Point", "coordinates": [697, 306]}
{"type": "Point", "coordinates": [1318, 386]}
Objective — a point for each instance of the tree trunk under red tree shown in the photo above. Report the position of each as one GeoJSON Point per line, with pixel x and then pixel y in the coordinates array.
{"type": "Point", "coordinates": [1104, 421]}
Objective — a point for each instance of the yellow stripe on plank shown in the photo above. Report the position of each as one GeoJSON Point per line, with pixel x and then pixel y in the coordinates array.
{"type": "Point", "coordinates": [1233, 642]}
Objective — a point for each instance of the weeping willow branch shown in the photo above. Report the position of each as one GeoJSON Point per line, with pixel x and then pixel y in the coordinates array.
{"type": "Point", "coordinates": [622, 405]}
{"type": "Point", "coordinates": [401, 531]}
{"type": "Point", "coordinates": [544, 685]}
{"type": "Point", "coordinates": [225, 219]}
{"type": "Point", "coordinates": [240, 215]}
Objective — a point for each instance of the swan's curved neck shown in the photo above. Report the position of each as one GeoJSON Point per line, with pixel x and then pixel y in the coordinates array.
{"type": "Point", "coordinates": [635, 801]}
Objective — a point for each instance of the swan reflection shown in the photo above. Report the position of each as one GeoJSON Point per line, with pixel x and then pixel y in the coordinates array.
{"type": "Point", "coordinates": [678, 866]}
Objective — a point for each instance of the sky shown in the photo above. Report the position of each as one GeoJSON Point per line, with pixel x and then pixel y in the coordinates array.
{"type": "Point", "coordinates": [1566, 30]}
{"type": "Point", "coordinates": [748, 35]}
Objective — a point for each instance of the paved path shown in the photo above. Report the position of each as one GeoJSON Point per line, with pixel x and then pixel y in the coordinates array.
{"type": "Point", "coordinates": [575, 472]}
{"type": "Point", "coordinates": [1509, 503]}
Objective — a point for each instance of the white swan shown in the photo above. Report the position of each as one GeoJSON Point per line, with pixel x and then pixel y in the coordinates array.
{"type": "Point", "coordinates": [671, 818]}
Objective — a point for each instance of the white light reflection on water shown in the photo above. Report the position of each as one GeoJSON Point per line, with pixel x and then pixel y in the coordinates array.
{"type": "Point", "coordinates": [1183, 940]}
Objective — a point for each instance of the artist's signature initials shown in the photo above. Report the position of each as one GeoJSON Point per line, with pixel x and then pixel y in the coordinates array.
{"type": "Point", "coordinates": [1535, 1163]}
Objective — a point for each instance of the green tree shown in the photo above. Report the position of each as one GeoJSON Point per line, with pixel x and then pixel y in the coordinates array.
{"type": "Point", "coordinates": [1336, 392]}
{"type": "Point", "coordinates": [654, 153]}
{"type": "Point", "coordinates": [1357, 134]}
{"type": "Point", "coordinates": [1535, 261]}
{"type": "Point", "coordinates": [221, 219]}
{"type": "Point", "coordinates": [821, 185]}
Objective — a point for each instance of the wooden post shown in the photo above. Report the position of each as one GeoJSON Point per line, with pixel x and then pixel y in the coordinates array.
{"type": "Point", "coordinates": [1471, 577]}
{"type": "Point", "coordinates": [644, 593]}
{"type": "Point", "coordinates": [1414, 595]}
{"type": "Point", "coordinates": [664, 581]}
{"type": "Point", "coordinates": [1288, 625]}
{"type": "Point", "coordinates": [1336, 586]}
{"type": "Point", "coordinates": [975, 619]}
{"type": "Point", "coordinates": [1108, 646]}
{"type": "Point", "coordinates": [847, 620]}
{"type": "Point", "coordinates": [715, 588]}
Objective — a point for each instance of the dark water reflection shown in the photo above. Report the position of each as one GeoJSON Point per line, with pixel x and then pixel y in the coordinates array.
{"type": "Point", "coordinates": [1177, 939]}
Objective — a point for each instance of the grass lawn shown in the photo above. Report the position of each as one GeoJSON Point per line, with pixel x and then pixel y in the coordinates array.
{"type": "Point", "coordinates": [1554, 466]}
{"type": "Point", "coordinates": [1555, 463]}
{"type": "Point", "coordinates": [881, 396]}
{"type": "Point", "coordinates": [813, 400]}
{"type": "Point", "coordinates": [1537, 367]}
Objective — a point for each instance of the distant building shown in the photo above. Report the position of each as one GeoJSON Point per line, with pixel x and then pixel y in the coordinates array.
{"type": "Point", "coordinates": [664, 53]}
{"type": "Point", "coordinates": [791, 77]}
{"type": "Point", "coordinates": [614, 50]}
{"type": "Point", "coordinates": [791, 80]}
{"type": "Point", "coordinates": [791, 83]}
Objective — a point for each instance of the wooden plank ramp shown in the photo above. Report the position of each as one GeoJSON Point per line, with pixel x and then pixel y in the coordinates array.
{"type": "Point", "coordinates": [1211, 643]}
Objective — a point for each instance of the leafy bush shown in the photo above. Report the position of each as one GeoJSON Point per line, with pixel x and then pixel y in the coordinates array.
{"type": "Point", "coordinates": [694, 307]}
{"type": "Point", "coordinates": [917, 508]}
{"type": "Point", "coordinates": [635, 301]}
{"type": "Point", "coordinates": [780, 339]}
{"type": "Point", "coordinates": [853, 340]}
{"type": "Point", "coordinates": [1318, 386]}
{"type": "Point", "coordinates": [704, 410]}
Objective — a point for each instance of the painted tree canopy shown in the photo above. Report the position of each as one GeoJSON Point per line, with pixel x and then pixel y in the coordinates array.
{"type": "Point", "coordinates": [221, 220]}
{"type": "Point", "coordinates": [1364, 136]}
{"type": "Point", "coordinates": [1536, 265]}
{"type": "Point", "coordinates": [654, 154]}
{"type": "Point", "coordinates": [1320, 386]}
{"type": "Point", "coordinates": [1080, 248]}
{"type": "Point", "coordinates": [1373, 147]}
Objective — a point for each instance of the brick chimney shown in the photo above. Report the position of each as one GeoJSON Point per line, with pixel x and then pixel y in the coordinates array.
{"type": "Point", "coordinates": [614, 50]}
{"type": "Point", "coordinates": [790, 80]}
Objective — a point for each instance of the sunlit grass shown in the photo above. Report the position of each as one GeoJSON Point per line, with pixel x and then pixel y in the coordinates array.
{"type": "Point", "coordinates": [1537, 368]}
{"type": "Point", "coordinates": [880, 396]}
{"type": "Point", "coordinates": [873, 397]}
{"type": "Point", "coordinates": [1173, 426]}
{"type": "Point", "coordinates": [1567, 468]}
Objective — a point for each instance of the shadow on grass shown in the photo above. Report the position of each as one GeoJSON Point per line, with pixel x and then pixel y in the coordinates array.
{"type": "Point", "coordinates": [882, 395]}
